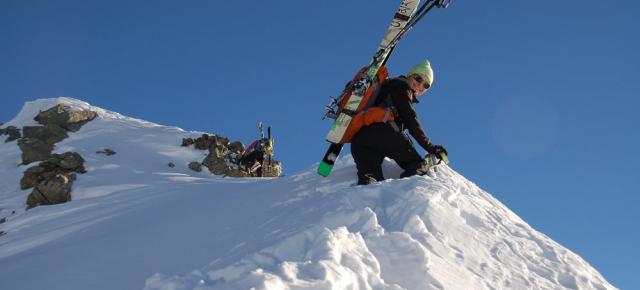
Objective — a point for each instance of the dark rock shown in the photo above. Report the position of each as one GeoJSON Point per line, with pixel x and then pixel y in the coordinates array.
{"type": "Point", "coordinates": [106, 151]}
{"type": "Point", "coordinates": [3, 220]}
{"type": "Point", "coordinates": [64, 117]}
{"type": "Point", "coordinates": [37, 141]}
{"type": "Point", "coordinates": [50, 133]}
{"type": "Point", "coordinates": [2, 233]}
{"type": "Point", "coordinates": [216, 166]}
{"type": "Point", "coordinates": [195, 166]}
{"type": "Point", "coordinates": [203, 142]}
{"type": "Point", "coordinates": [75, 127]}
{"type": "Point", "coordinates": [68, 161]}
{"type": "Point", "coordinates": [32, 177]}
{"type": "Point", "coordinates": [236, 147]}
{"type": "Point", "coordinates": [171, 164]}
{"type": "Point", "coordinates": [12, 131]}
{"type": "Point", "coordinates": [34, 150]}
{"type": "Point", "coordinates": [58, 164]}
{"type": "Point", "coordinates": [54, 190]}
{"type": "Point", "coordinates": [71, 161]}
{"type": "Point", "coordinates": [206, 142]}
{"type": "Point", "coordinates": [187, 142]}
{"type": "Point", "coordinates": [219, 151]}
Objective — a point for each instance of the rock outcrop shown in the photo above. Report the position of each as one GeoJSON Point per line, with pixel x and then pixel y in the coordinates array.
{"type": "Point", "coordinates": [195, 166]}
{"type": "Point", "coordinates": [49, 133]}
{"type": "Point", "coordinates": [52, 179]}
{"type": "Point", "coordinates": [236, 147]}
{"type": "Point", "coordinates": [66, 118]}
{"type": "Point", "coordinates": [58, 164]}
{"type": "Point", "coordinates": [34, 150]}
{"type": "Point", "coordinates": [217, 164]}
{"type": "Point", "coordinates": [12, 132]}
{"type": "Point", "coordinates": [52, 191]}
{"type": "Point", "coordinates": [223, 156]}
{"type": "Point", "coordinates": [37, 142]}
{"type": "Point", "coordinates": [106, 151]}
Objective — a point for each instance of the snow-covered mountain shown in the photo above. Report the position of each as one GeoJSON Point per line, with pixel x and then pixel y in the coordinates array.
{"type": "Point", "coordinates": [135, 223]}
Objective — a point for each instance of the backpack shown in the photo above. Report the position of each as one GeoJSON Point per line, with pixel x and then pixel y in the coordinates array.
{"type": "Point", "coordinates": [367, 112]}
{"type": "Point", "coordinates": [262, 146]}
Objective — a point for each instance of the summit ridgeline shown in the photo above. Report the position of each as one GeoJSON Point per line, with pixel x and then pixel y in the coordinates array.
{"type": "Point", "coordinates": [44, 128]}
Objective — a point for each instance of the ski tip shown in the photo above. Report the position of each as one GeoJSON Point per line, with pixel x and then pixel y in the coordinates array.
{"type": "Point", "coordinates": [444, 158]}
{"type": "Point", "coordinates": [324, 169]}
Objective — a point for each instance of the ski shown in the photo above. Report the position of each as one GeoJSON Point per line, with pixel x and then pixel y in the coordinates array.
{"type": "Point", "coordinates": [400, 19]}
{"type": "Point", "coordinates": [342, 121]}
{"type": "Point", "coordinates": [269, 156]}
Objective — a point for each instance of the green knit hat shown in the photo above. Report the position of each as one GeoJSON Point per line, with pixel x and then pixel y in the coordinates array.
{"type": "Point", "coordinates": [423, 69]}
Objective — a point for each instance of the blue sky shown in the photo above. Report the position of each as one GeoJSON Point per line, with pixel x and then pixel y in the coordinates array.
{"type": "Point", "coordinates": [536, 101]}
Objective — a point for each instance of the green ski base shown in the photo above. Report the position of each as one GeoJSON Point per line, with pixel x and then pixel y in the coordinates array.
{"type": "Point", "coordinates": [324, 169]}
{"type": "Point", "coordinates": [444, 158]}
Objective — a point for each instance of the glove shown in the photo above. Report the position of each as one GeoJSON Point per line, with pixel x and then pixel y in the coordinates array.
{"type": "Point", "coordinates": [438, 151]}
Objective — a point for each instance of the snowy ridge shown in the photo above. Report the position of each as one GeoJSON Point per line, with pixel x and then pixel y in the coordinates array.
{"type": "Point", "coordinates": [139, 144]}
{"type": "Point", "coordinates": [31, 109]}
{"type": "Point", "coordinates": [439, 232]}
{"type": "Point", "coordinates": [135, 223]}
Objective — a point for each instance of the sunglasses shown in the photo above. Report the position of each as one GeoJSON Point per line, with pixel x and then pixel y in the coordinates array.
{"type": "Point", "coordinates": [422, 81]}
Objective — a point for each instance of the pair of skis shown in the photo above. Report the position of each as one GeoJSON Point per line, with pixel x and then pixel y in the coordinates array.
{"type": "Point", "coordinates": [403, 20]}
{"type": "Point", "coordinates": [268, 140]}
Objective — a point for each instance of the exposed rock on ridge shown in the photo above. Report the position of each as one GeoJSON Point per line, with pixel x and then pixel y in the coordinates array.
{"type": "Point", "coordinates": [12, 132]}
{"type": "Point", "coordinates": [52, 179]}
{"type": "Point", "coordinates": [223, 157]}
{"type": "Point", "coordinates": [52, 191]}
{"type": "Point", "coordinates": [37, 142]}
{"type": "Point", "coordinates": [64, 164]}
{"type": "Point", "coordinates": [68, 119]}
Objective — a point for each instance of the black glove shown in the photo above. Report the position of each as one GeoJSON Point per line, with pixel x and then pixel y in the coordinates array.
{"type": "Point", "coordinates": [436, 150]}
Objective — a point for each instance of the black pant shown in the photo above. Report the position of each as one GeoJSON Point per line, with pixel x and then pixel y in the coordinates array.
{"type": "Point", "coordinates": [373, 143]}
{"type": "Point", "coordinates": [250, 159]}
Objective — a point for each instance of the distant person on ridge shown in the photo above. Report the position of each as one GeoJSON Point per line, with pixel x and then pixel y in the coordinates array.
{"type": "Point", "coordinates": [253, 158]}
{"type": "Point", "coordinates": [386, 138]}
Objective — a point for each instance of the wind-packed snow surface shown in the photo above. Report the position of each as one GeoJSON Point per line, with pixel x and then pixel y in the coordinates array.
{"type": "Point", "coordinates": [135, 223]}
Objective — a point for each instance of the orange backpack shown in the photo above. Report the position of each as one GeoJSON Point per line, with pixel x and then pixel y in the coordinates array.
{"type": "Point", "coordinates": [366, 113]}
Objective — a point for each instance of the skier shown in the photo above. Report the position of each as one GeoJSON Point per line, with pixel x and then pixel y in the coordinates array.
{"type": "Point", "coordinates": [253, 158]}
{"type": "Point", "coordinates": [346, 110]}
{"type": "Point", "coordinates": [385, 136]}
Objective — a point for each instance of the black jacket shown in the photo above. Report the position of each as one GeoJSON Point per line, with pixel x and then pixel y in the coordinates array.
{"type": "Point", "coordinates": [398, 92]}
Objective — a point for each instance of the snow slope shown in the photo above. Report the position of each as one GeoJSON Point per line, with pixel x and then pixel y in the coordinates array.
{"type": "Point", "coordinates": [135, 223]}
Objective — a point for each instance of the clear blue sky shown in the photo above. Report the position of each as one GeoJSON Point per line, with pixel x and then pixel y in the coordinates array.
{"type": "Point", "coordinates": [536, 101]}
